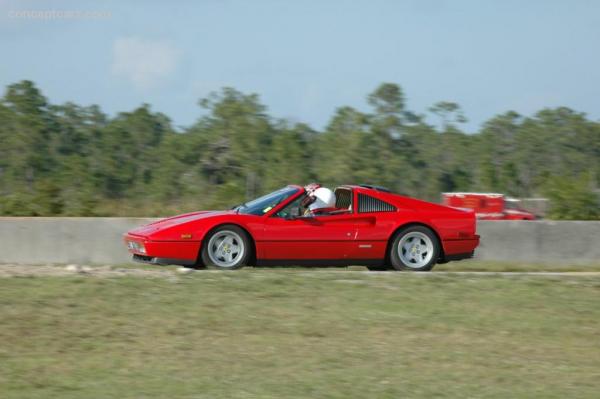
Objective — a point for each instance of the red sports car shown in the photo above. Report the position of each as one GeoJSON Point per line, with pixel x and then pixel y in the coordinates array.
{"type": "Point", "coordinates": [367, 225]}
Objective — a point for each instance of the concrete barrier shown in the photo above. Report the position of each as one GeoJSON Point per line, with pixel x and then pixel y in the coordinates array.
{"type": "Point", "coordinates": [544, 241]}
{"type": "Point", "coordinates": [41, 240]}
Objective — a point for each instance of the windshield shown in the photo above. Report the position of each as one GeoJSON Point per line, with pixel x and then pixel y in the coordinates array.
{"type": "Point", "coordinates": [264, 204]}
{"type": "Point", "coordinates": [511, 204]}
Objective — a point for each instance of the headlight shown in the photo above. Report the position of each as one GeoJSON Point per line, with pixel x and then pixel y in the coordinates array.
{"type": "Point", "coordinates": [136, 246]}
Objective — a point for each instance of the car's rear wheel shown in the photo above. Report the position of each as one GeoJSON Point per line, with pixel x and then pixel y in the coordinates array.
{"type": "Point", "coordinates": [414, 248]}
{"type": "Point", "coordinates": [226, 248]}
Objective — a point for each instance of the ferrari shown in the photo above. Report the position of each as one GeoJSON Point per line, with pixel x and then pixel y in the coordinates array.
{"type": "Point", "coordinates": [368, 225]}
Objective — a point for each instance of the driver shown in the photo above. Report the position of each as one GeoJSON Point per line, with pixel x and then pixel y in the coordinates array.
{"type": "Point", "coordinates": [320, 202]}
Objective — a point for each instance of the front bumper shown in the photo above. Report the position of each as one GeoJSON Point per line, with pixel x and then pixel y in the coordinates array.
{"type": "Point", "coordinates": [162, 252]}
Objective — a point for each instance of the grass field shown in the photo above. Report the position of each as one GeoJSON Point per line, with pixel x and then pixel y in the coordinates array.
{"type": "Point", "coordinates": [297, 333]}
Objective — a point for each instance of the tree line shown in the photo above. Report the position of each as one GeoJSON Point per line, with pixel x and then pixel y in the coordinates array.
{"type": "Point", "coordinates": [77, 161]}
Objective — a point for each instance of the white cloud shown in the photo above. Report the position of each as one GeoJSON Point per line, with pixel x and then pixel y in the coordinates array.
{"type": "Point", "coordinates": [146, 63]}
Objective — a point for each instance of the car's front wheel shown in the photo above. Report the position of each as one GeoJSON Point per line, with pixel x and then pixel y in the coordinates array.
{"type": "Point", "coordinates": [414, 248]}
{"type": "Point", "coordinates": [226, 248]}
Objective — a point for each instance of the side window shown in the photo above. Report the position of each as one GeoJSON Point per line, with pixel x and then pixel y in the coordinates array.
{"type": "Point", "coordinates": [287, 210]}
{"type": "Point", "coordinates": [366, 203]}
{"type": "Point", "coordinates": [343, 199]}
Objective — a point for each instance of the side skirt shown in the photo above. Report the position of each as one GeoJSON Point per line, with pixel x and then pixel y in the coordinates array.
{"type": "Point", "coordinates": [319, 262]}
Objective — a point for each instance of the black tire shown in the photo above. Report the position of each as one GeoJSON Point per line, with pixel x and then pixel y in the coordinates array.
{"type": "Point", "coordinates": [239, 237]}
{"type": "Point", "coordinates": [423, 259]}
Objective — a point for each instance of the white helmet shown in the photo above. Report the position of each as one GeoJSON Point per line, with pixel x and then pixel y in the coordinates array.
{"type": "Point", "coordinates": [324, 198]}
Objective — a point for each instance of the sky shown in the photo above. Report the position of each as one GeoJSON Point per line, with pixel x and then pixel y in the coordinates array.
{"type": "Point", "coordinates": [307, 58]}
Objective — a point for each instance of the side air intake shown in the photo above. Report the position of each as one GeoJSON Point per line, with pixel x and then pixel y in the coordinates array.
{"type": "Point", "coordinates": [367, 203]}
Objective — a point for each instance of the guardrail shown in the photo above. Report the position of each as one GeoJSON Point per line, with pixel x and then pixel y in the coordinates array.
{"type": "Point", "coordinates": [46, 240]}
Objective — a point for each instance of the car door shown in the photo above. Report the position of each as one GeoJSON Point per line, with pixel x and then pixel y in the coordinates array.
{"type": "Point", "coordinates": [309, 238]}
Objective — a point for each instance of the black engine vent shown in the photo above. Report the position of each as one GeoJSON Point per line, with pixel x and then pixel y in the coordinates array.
{"type": "Point", "coordinates": [367, 203]}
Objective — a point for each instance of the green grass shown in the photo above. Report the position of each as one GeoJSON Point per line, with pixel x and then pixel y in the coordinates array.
{"type": "Point", "coordinates": [294, 333]}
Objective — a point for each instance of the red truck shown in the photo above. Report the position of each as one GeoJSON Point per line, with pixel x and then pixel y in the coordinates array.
{"type": "Point", "coordinates": [488, 206]}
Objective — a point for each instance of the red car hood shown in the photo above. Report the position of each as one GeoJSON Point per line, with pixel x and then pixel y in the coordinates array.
{"type": "Point", "coordinates": [163, 224]}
